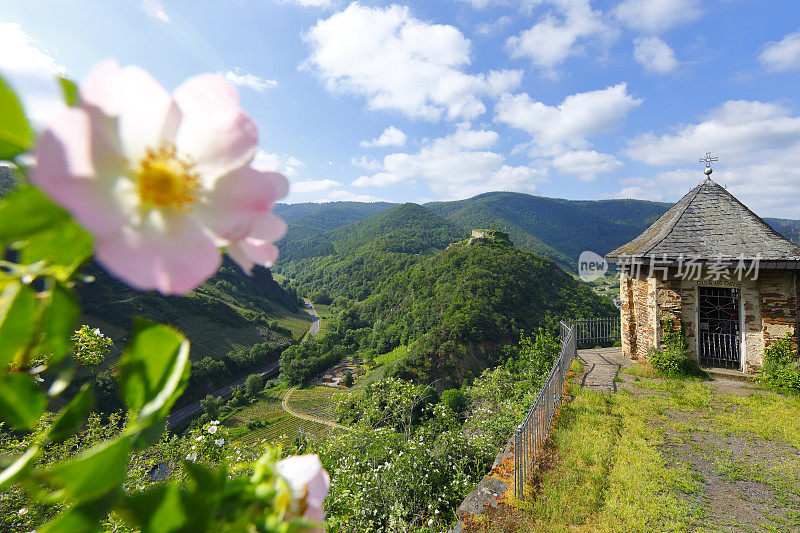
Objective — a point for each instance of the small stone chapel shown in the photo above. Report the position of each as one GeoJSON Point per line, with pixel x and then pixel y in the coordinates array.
{"type": "Point", "coordinates": [714, 266]}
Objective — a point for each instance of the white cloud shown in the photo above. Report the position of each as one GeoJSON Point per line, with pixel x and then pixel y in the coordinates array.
{"type": "Point", "coordinates": [571, 122]}
{"type": "Point", "coordinates": [391, 136]}
{"type": "Point", "coordinates": [366, 163]}
{"type": "Point", "coordinates": [736, 130]}
{"type": "Point", "coordinates": [486, 29]}
{"type": "Point", "coordinates": [654, 55]}
{"type": "Point", "coordinates": [398, 62]}
{"type": "Point", "coordinates": [245, 79]}
{"type": "Point", "coordinates": [656, 16]}
{"type": "Point", "coordinates": [638, 189]}
{"type": "Point", "coordinates": [285, 164]}
{"type": "Point", "coordinates": [347, 196]}
{"type": "Point", "coordinates": [480, 4]}
{"type": "Point", "coordinates": [155, 10]}
{"type": "Point", "coordinates": [459, 165]}
{"type": "Point", "coordinates": [309, 3]}
{"type": "Point", "coordinates": [782, 56]}
{"type": "Point", "coordinates": [31, 70]}
{"type": "Point", "coordinates": [309, 186]}
{"type": "Point", "coordinates": [586, 164]}
{"type": "Point", "coordinates": [559, 33]}
{"type": "Point", "coordinates": [758, 145]}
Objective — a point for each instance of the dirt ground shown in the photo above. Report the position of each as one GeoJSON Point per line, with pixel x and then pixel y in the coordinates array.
{"type": "Point", "coordinates": [748, 482]}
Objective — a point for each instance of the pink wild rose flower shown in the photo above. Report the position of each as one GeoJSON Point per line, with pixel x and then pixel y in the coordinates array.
{"type": "Point", "coordinates": [162, 181]}
{"type": "Point", "coordinates": [309, 483]}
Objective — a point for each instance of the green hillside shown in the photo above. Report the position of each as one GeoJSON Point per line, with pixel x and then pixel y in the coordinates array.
{"type": "Point", "coordinates": [408, 228]}
{"type": "Point", "coordinates": [454, 309]}
{"type": "Point", "coordinates": [310, 223]}
{"type": "Point", "coordinates": [329, 215]}
{"type": "Point", "coordinates": [358, 257]}
{"type": "Point", "coordinates": [236, 324]}
{"type": "Point", "coordinates": [788, 228]}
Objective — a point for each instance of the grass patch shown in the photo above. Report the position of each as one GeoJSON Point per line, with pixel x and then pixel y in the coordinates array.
{"type": "Point", "coordinates": [638, 460]}
{"type": "Point", "coordinates": [608, 475]}
{"type": "Point", "coordinates": [640, 370]}
{"type": "Point", "coordinates": [384, 363]}
{"type": "Point", "coordinates": [325, 316]}
{"type": "Point", "coordinates": [298, 323]}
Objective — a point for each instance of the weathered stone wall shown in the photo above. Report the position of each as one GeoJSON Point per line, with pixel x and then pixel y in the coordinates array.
{"type": "Point", "coordinates": [638, 315]}
{"type": "Point", "coordinates": [627, 324]}
{"type": "Point", "coordinates": [779, 304]}
{"type": "Point", "coordinates": [688, 292]}
{"type": "Point", "coordinates": [668, 303]}
{"type": "Point", "coordinates": [753, 339]}
{"type": "Point", "coordinates": [770, 309]}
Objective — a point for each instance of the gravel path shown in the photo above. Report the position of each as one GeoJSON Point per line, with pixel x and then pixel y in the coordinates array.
{"type": "Point", "coordinates": [601, 366]}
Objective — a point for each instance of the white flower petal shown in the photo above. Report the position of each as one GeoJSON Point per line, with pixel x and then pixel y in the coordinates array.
{"type": "Point", "coordinates": [168, 252]}
{"type": "Point", "coordinates": [214, 130]}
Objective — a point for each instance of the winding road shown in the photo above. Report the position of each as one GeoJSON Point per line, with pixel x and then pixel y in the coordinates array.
{"type": "Point", "coordinates": [176, 417]}
{"type": "Point", "coordinates": [271, 371]}
{"type": "Point", "coordinates": [314, 320]}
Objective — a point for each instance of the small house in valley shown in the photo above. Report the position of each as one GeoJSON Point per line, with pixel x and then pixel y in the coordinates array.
{"type": "Point", "coordinates": [712, 266]}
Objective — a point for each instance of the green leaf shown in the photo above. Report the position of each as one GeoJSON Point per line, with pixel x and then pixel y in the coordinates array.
{"type": "Point", "coordinates": [72, 417]}
{"type": "Point", "coordinates": [66, 245]}
{"type": "Point", "coordinates": [91, 474]}
{"type": "Point", "coordinates": [172, 508]}
{"type": "Point", "coordinates": [21, 401]}
{"type": "Point", "coordinates": [84, 518]}
{"type": "Point", "coordinates": [154, 370]}
{"type": "Point", "coordinates": [16, 134]}
{"type": "Point", "coordinates": [160, 508]}
{"type": "Point", "coordinates": [18, 315]}
{"type": "Point", "coordinates": [18, 468]}
{"type": "Point", "coordinates": [60, 319]}
{"type": "Point", "coordinates": [27, 211]}
{"type": "Point", "coordinates": [45, 231]}
{"type": "Point", "coordinates": [70, 91]}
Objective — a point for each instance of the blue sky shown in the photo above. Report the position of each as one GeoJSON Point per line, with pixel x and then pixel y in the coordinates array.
{"type": "Point", "coordinates": [445, 99]}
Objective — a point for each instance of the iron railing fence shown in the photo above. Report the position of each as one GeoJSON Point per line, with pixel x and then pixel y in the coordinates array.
{"type": "Point", "coordinates": [531, 435]}
{"type": "Point", "coordinates": [720, 349]}
{"type": "Point", "coordinates": [591, 331]}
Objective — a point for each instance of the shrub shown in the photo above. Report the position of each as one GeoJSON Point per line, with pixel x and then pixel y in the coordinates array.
{"type": "Point", "coordinates": [455, 400]}
{"type": "Point", "coordinates": [670, 362]}
{"type": "Point", "coordinates": [672, 359]}
{"type": "Point", "coordinates": [211, 405]}
{"type": "Point", "coordinates": [253, 385]}
{"type": "Point", "coordinates": [781, 368]}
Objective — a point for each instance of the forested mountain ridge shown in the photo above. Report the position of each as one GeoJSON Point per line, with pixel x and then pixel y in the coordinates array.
{"type": "Point", "coordinates": [556, 228]}
{"type": "Point", "coordinates": [308, 223]}
{"type": "Point", "coordinates": [407, 228]}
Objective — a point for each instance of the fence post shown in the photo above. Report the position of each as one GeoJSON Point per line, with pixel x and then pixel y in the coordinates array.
{"type": "Point", "coordinates": [530, 436]}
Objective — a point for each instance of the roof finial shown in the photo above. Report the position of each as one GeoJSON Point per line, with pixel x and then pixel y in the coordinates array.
{"type": "Point", "coordinates": [708, 159]}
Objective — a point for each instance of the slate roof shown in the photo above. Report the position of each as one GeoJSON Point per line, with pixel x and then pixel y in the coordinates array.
{"type": "Point", "coordinates": [709, 224]}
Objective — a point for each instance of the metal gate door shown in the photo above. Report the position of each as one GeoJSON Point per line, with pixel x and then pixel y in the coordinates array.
{"type": "Point", "coordinates": [718, 310]}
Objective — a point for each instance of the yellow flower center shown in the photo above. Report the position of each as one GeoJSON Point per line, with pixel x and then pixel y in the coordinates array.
{"type": "Point", "coordinates": [166, 180]}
